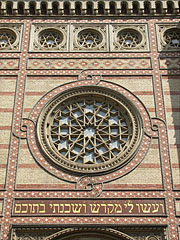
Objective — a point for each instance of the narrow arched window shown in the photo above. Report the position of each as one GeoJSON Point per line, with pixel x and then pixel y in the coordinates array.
{"type": "Point", "coordinates": [112, 6]}
{"type": "Point", "coordinates": [135, 7]}
{"type": "Point", "coordinates": [124, 7]}
{"type": "Point", "coordinates": [20, 8]}
{"type": "Point", "coordinates": [101, 8]}
{"type": "Point", "coordinates": [170, 7]}
{"type": "Point", "coordinates": [158, 7]}
{"type": "Point", "coordinates": [78, 8]}
{"type": "Point", "coordinates": [147, 7]}
{"type": "Point", "coordinates": [43, 8]}
{"type": "Point", "coordinates": [66, 8]}
{"type": "Point", "coordinates": [55, 7]}
{"type": "Point", "coordinates": [9, 8]}
{"type": "Point", "coordinates": [32, 8]}
{"type": "Point", "coordinates": [89, 7]}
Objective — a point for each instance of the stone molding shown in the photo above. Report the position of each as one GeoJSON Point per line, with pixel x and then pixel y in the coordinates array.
{"type": "Point", "coordinates": [109, 8]}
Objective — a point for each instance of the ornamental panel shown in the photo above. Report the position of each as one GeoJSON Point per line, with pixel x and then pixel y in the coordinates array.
{"type": "Point", "coordinates": [10, 37]}
{"type": "Point", "coordinates": [89, 37]}
{"type": "Point", "coordinates": [48, 38]}
{"type": "Point", "coordinates": [129, 37]}
{"type": "Point", "coordinates": [168, 37]}
{"type": "Point", "coordinates": [89, 130]}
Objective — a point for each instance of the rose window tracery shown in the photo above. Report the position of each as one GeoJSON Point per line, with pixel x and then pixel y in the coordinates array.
{"type": "Point", "coordinates": [89, 131]}
{"type": "Point", "coordinates": [129, 38]}
{"type": "Point", "coordinates": [172, 37]}
{"type": "Point", "coordinates": [50, 38]}
{"type": "Point", "coordinates": [89, 38]}
{"type": "Point", "coordinates": [7, 39]}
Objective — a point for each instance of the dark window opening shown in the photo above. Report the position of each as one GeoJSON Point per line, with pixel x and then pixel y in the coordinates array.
{"type": "Point", "coordinates": [101, 8]}
{"type": "Point", "coordinates": [147, 7]}
{"type": "Point", "coordinates": [112, 6]}
{"type": "Point", "coordinates": [89, 8]}
{"type": "Point", "coordinates": [158, 7]}
{"type": "Point", "coordinates": [32, 8]}
{"type": "Point", "coordinates": [44, 8]}
{"type": "Point", "coordinates": [124, 8]}
{"type": "Point", "coordinates": [20, 8]}
{"type": "Point", "coordinates": [9, 7]}
{"type": "Point", "coordinates": [78, 8]}
{"type": "Point", "coordinates": [135, 8]}
{"type": "Point", "coordinates": [55, 6]}
{"type": "Point", "coordinates": [66, 8]}
{"type": "Point", "coordinates": [170, 7]}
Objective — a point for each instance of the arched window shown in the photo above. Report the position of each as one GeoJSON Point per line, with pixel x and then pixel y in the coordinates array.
{"type": "Point", "coordinates": [9, 7]}
{"type": "Point", "coordinates": [43, 8]}
{"type": "Point", "coordinates": [170, 7]}
{"type": "Point", "coordinates": [124, 7]}
{"type": "Point", "coordinates": [101, 8]}
{"type": "Point", "coordinates": [55, 7]}
{"type": "Point", "coordinates": [89, 8]}
{"type": "Point", "coordinates": [66, 8]}
{"type": "Point", "coordinates": [158, 7]}
{"type": "Point", "coordinates": [135, 7]}
{"type": "Point", "coordinates": [112, 6]}
{"type": "Point", "coordinates": [147, 7]}
{"type": "Point", "coordinates": [32, 8]}
{"type": "Point", "coordinates": [78, 8]}
{"type": "Point", "coordinates": [20, 8]}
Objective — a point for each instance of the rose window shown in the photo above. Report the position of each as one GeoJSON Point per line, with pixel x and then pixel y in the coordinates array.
{"type": "Point", "coordinates": [7, 38]}
{"type": "Point", "coordinates": [50, 39]}
{"type": "Point", "coordinates": [172, 37]}
{"type": "Point", "coordinates": [89, 38]}
{"type": "Point", "coordinates": [129, 38]}
{"type": "Point", "coordinates": [89, 131]}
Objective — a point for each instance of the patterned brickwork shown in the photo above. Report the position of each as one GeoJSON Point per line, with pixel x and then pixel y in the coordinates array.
{"type": "Point", "coordinates": [154, 92]}
{"type": "Point", "coordinates": [89, 63]}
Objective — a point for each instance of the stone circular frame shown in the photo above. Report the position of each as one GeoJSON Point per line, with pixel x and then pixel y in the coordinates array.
{"type": "Point", "coordinates": [50, 38]}
{"type": "Point", "coordinates": [89, 130]}
{"type": "Point", "coordinates": [171, 37]}
{"type": "Point", "coordinates": [129, 38]}
{"type": "Point", "coordinates": [8, 38]}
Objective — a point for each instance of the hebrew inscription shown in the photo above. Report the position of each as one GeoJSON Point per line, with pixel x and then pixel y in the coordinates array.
{"type": "Point", "coordinates": [89, 207]}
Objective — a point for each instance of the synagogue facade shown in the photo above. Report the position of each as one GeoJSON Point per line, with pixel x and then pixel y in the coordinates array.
{"type": "Point", "coordinates": [89, 120]}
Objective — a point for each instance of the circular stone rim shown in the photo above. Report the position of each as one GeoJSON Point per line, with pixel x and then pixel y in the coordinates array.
{"type": "Point", "coordinates": [53, 30]}
{"type": "Point", "coordinates": [139, 35]}
{"type": "Point", "coordinates": [78, 168]}
{"type": "Point", "coordinates": [90, 30]}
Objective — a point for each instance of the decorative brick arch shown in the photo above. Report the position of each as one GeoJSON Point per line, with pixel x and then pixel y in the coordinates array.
{"type": "Point", "coordinates": [111, 234]}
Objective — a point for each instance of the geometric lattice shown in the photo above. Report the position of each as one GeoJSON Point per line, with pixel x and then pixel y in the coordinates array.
{"type": "Point", "coordinates": [88, 131]}
{"type": "Point", "coordinates": [50, 38]}
{"type": "Point", "coordinates": [89, 38]}
{"type": "Point", "coordinates": [172, 37]}
{"type": "Point", "coordinates": [7, 38]}
{"type": "Point", "coordinates": [129, 38]}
